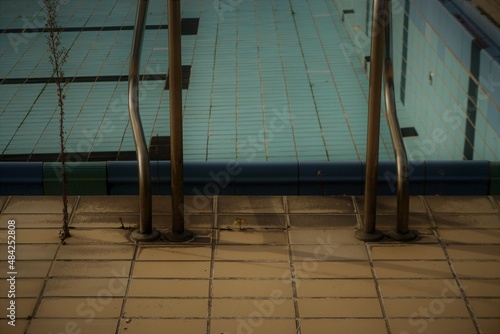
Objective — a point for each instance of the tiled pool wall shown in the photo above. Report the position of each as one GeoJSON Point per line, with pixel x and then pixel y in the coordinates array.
{"type": "Point", "coordinates": [447, 75]}
{"type": "Point", "coordinates": [257, 178]}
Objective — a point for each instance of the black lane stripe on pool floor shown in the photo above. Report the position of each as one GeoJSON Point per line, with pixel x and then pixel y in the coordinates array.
{"type": "Point", "coordinates": [186, 73]}
{"type": "Point", "coordinates": [75, 157]}
{"type": "Point", "coordinates": [159, 150]}
{"type": "Point", "coordinates": [189, 26]}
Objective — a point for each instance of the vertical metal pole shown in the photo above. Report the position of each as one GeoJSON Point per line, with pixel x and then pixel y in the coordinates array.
{"type": "Point", "coordinates": [145, 231]}
{"type": "Point", "coordinates": [369, 233]}
{"type": "Point", "coordinates": [178, 232]}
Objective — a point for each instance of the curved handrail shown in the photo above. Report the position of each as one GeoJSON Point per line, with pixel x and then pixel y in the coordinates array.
{"type": "Point", "coordinates": [403, 183]}
{"type": "Point", "coordinates": [382, 17]}
{"type": "Point", "coordinates": [145, 200]}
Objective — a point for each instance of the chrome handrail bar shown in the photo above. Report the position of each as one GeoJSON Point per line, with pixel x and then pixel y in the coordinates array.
{"type": "Point", "coordinates": [402, 231]}
{"type": "Point", "coordinates": [382, 17]}
{"type": "Point", "coordinates": [145, 231]}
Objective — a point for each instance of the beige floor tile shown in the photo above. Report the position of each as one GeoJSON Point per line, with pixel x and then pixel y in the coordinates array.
{"type": "Point", "coordinates": [191, 221]}
{"type": "Point", "coordinates": [426, 308]}
{"type": "Point", "coordinates": [87, 308]}
{"type": "Point", "coordinates": [330, 269]}
{"type": "Point", "coordinates": [474, 252]}
{"type": "Point", "coordinates": [198, 204]}
{"type": "Point", "coordinates": [467, 221]}
{"type": "Point", "coordinates": [20, 327]}
{"type": "Point", "coordinates": [388, 204]}
{"type": "Point", "coordinates": [339, 308]}
{"type": "Point", "coordinates": [253, 325]}
{"type": "Point", "coordinates": [485, 307]}
{"type": "Point", "coordinates": [332, 252]}
{"type": "Point", "coordinates": [248, 308]}
{"type": "Point", "coordinates": [416, 221]}
{"type": "Point", "coordinates": [477, 269]}
{"type": "Point", "coordinates": [3, 199]}
{"type": "Point", "coordinates": [162, 204]}
{"type": "Point", "coordinates": [277, 221]}
{"type": "Point", "coordinates": [250, 204]}
{"type": "Point", "coordinates": [407, 252]}
{"type": "Point", "coordinates": [99, 236]}
{"type": "Point", "coordinates": [460, 204]}
{"type": "Point", "coordinates": [344, 326]}
{"type": "Point", "coordinates": [252, 288]}
{"type": "Point", "coordinates": [252, 252]}
{"type": "Point", "coordinates": [96, 326]}
{"type": "Point", "coordinates": [251, 269]}
{"type": "Point", "coordinates": [98, 220]}
{"type": "Point", "coordinates": [108, 204]}
{"type": "Point", "coordinates": [174, 253]}
{"type": "Point", "coordinates": [32, 252]}
{"type": "Point", "coordinates": [323, 236]}
{"type": "Point", "coordinates": [481, 287]}
{"type": "Point", "coordinates": [25, 287]}
{"type": "Point", "coordinates": [28, 269]}
{"type": "Point", "coordinates": [48, 220]}
{"type": "Point", "coordinates": [168, 288]}
{"type": "Point", "coordinates": [161, 326]}
{"type": "Point", "coordinates": [96, 252]}
{"type": "Point", "coordinates": [412, 269]}
{"type": "Point", "coordinates": [320, 204]}
{"type": "Point", "coordinates": [447, 288]}
{"type": "Point", "coordinates": [158, 269]}
{"type": "Point", "coordinates": [489, 326]}
{"type": "Point", "coordinates": [252, 237]}
{"type": "Point", "coordinates": [336, 288]}
{"type": "Point", "coordinates": [90, 287]}
{"type": "Point", "coordinates": [470, 236]}
{"type": "Point", "coordinates": [34, 236]}
{"type": "Point", "coordinates": [435, 326]}
{"type": "Point", "coordinates": [166, 308]}
{"type": "Point", "coordinates": [24, 307]}
{"type": "Point", "coordinates": [313, 221]}
{"type": "Point", "coordinates": [37, 204]}
{"type": "Point", "coordinates": [90, 269]}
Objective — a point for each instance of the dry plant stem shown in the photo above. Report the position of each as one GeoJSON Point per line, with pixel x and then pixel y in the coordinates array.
{"type": "Point", "coordinates": [57, 58]}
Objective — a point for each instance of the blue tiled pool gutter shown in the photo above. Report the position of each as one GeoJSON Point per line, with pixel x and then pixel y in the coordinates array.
{"type": "Point", "coordinates": [248, 178]}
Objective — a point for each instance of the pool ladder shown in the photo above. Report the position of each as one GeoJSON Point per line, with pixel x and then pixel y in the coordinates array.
{"type": "Point", "coordinates": [381, 41]}
{"type": "Point", "coordinates": [145, 231]}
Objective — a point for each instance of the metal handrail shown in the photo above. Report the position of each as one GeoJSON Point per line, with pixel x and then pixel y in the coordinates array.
{"type": "Point", "coordinates": [382, 16]}
{"type": "Point", "coordinates": [145, 231]}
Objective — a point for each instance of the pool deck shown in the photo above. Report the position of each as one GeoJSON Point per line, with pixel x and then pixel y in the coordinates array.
{"type": "Point", "coordinates": [293, 266]}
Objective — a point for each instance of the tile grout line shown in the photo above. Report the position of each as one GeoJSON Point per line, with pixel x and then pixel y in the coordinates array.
{"type": "Point", "coordinates": [380, 297]}
{"type": "Point", "coordinates": [5, 204]}
{"type": "Point", "coordinates": [452, 269]}
{"type": "Point", "coordinates": [42, 291]}
{"type": "Point", "coordinates": [494, 202]}
{"type": "Point", "coordinates": [129, 281]}
{"type": "Point", "coordinates": [298, 324]}
{"type": "Point", "coordinates": [52, 263]}
{"type": "Point", "coordinates": [357, 212]}
{"type": "Point", "coordinates": [286, 84]}
{"type": "Point", "coordinates": [214, 235]}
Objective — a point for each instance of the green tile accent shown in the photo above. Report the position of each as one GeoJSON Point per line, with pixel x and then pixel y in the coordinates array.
{"type": "Point", "coordinates": [495, 178]}
{"type": "Point", "coordinates": [87, 178]}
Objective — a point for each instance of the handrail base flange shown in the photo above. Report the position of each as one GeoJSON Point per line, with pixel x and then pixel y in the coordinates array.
{"type": "Point", "coordinates": [138, 236]}
{"type": "Point", "coordinates": [398, 236]}
{"type": "Point", "coordinates": [185, 236]}
{"type": "Point", "coordinates": [362, 235]}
